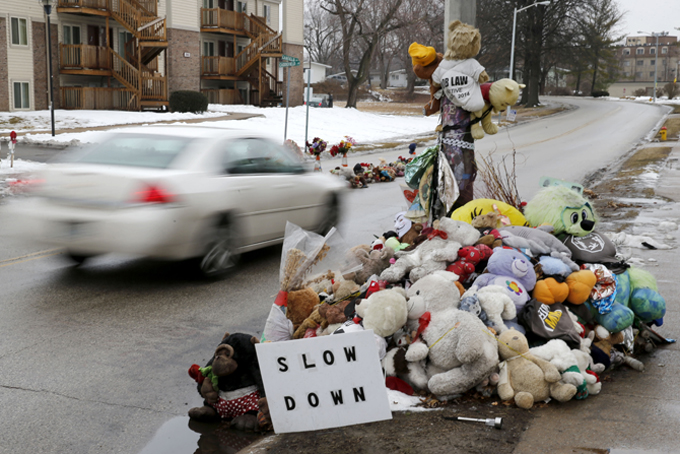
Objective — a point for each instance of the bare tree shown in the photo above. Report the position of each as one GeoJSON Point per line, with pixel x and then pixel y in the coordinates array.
{"type": "Point", "coordinates": [322, 34]}
{"type": "Point", "coordinates": [363, 23]}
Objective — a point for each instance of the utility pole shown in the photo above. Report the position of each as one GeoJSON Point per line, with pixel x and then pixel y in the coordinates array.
{"type": "Point", "coordinates": [462, 10]}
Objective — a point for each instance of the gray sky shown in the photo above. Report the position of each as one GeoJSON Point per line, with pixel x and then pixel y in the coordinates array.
{"type": "Point", "coordinates": [650, 16]}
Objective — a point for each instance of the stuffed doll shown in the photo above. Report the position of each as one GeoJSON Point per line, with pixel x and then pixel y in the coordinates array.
{"type": "Point", "coordinates": [507, 214]}
{"type": "Point", "coordinates": [425, 61]}
{"type": "Point", "coordinates": [488, 225]}
{"type": "Point", "coordinates": [230, 383]}
{"type": "Point", "coordinates": [441, 248]}
{"type": "Point", "coordinates": [395, 363]}
{"type": "Point", "coordinates": [384, 312]}
{"type": "Point", "coordinates": [511, 270]}
{"type": "Point", "coordinates": [460, 350]}
{"type": "Point", "coordinates": [468, 259]}
{"type": "Point", "coordinates": [459, 74]}
{"type": "Point", "coordinates": [498, 96]}
{"type": "Point", "coordinates": [495, 302]}
{"type": "Point", "coordinates": [525, 378]}
{"type": "Point", "coordinates": [558, 353]}
{"type": "Point", "coordinates": [573, 220]}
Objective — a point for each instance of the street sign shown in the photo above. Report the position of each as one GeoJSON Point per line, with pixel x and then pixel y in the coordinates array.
{"type": "Point", "coordinates": [285, 57]}
{"type": "Point", "coordinates": [286, 64]}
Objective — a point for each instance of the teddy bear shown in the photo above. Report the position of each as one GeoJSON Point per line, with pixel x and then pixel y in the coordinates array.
{"type": "Point", "coordinates": [384, 312]}
{"type": "Point", "coordinates": [395, 363]}
{"type": "Point", "coordinates": [425, 60]}
{"type": "Point", "coordinates": [603, 350]}
{"type": "Point", "coordinates": [434, 254]}
{"type": "Point", "coordinates": [230, 383]}
{"type": "Point", "coordinates": [471, 304]}
{"type": "Point", "coordinates": [558, 353]}
{"type": "Point", "coordinates": [373, 261]}
{"type": "Point", "coordinates": [498, 96]}
{"type": "Point", "coordinates": [460, 351]}
{"type": "Point", "coordinates": [488, 225]}
{"type": "Point", "coordinates": [468, 259]}
{"type": "Point", "coordinates": [573, 220]}
{"type": "Point", "coordinates": [459, 74]}
{"type": "Point", "coordinates": [513, 271]}
{"type": "Point", "coordinates": [525, 378]}
{"type": "Point", "coordinates": [496, 303]}
{"type": "Point", "coordinates": [537, 242]}
{"type": "Point", "coordinates": [300, 305]}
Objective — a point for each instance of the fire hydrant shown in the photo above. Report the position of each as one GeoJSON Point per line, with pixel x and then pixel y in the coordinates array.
{"type": "Point", "coordinates": [663, 132]}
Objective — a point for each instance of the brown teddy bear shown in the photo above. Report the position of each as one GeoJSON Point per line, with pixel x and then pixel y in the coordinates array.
{"type": "Point", "coordinates": [525, 378]}
{"type": "Point", "coordinates": [301, 303]}
{"type": "Point", "coordinates": [425, 60]}
{"type": "Point", "coordinates": [372, 262]}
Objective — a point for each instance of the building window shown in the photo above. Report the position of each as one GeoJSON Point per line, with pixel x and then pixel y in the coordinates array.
{"type": "Point", "coordinates": [626, 63]}
{"type": "Point", "coordinates": [71, 34]}
{"type": "Point", "coordinates": [21, 98]}
{"type": "Point", "coordinates": [640, 62]}
{"type": "Point", "coordinates": [664, 50]}
{"type": "Point", "coordinates": [626, 74]}
{"type": "Point", "coordinates": [639, 74]}
{"type": "Point", "coordinates": [208, 49]}
{"type": "Point", "coordinates": [651, 62]}
{"type": "Point", "coordinates": [208, 4]}
{"type": "Point", "coordinates": [651, 74]}
{"type": "Point", "coordinates": [639, 51]}
{"type": "Point", "coordinates": [19, 32]}
{"type": "Point", "coordinates": [241, 7]}
{"type": "Point", "coordinates": [626, 51]}
{"type": "Point", "coordinates": [652, 50]}
{"type": "Point", "coordinates": [268, 13]}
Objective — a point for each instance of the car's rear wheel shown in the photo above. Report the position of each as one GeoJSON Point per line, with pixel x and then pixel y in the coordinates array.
{"type": "Point", "coordinates": [221, 250]}
{"type": "Point", "coordinates": [77, 259]}
{"type": "Point", "coordinates": [331, 216]}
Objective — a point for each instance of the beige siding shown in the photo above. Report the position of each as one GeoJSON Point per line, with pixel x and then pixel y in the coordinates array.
{"type": "Point", "coordinates": [274, 23]}
{"type": "Point", "coordinates": [293, 22]}
{"type": "Point", "coordinates": [25, 8]}
{"type": "Point", "coordinates": [183, 14]}
{"type": "Point", "coordinates": [20, 60]}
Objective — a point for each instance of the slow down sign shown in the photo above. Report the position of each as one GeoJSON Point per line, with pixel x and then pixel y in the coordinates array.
{"type": "Point", "coordinates": [323, 382]}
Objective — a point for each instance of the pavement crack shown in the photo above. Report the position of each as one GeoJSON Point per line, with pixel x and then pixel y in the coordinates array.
{"type": "Point", "coordinates": [66, 396]}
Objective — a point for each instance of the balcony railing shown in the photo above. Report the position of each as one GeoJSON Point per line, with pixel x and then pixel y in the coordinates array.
{"type": "Point", "coordinates": [91, 98]}
{"type": "Point", "coordinates": [154, 87]}
{"type": "Point", "coordinates": [222, 18]}
{"type": "Point", "coordinates": [83, 56]}
{"type": "Point", "coordinates": [222, 96]}
{"type": "Point", "coordinates": [218, 66]}
{"type": "Point", "coordinates": [95, 4]}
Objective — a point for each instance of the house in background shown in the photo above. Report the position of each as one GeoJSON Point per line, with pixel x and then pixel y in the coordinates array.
{"type": "Point", "coordinates": [131, 54]}
{"type": "Point", "coordinates": [397, 79]}
{"type": "Point", "coordinates": [318, 72]}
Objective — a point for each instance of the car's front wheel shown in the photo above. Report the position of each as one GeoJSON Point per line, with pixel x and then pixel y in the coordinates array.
{"type": "Point", "coordinates": [221, 249]}
{"type": "Point", "coordinates": [77, 259]}
{"type": "Point", "coordinates": [331, 216]}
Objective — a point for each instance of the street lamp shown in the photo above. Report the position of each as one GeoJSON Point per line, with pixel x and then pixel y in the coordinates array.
{"type": "Point", "coordinates": [47, 4]}
{"type": "Point", "coordinates": [511, 71]}
{"type": "Point", "coordinates": [656, 55]}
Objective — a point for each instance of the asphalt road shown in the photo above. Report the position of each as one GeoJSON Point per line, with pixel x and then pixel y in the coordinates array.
{"type": "Point", "coordinates": [94, 359]}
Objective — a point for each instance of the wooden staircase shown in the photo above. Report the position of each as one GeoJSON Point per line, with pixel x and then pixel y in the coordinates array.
{"type": "Point", "coordinates": [149, 39]}
{"type": "Point", "coordinates": [250, 62]}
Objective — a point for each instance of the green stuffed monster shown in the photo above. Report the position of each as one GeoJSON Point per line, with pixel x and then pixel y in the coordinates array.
{"type": "Point", "coordinates": [574, 219]}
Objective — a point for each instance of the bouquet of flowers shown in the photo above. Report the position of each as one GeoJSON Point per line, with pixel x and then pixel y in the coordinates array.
{"type": "Point", "coordinates": [343, 147]}
{"type": "Point", "coordinates": [316, 147]}
{"type": "Point", "coordinates": [292, 146]}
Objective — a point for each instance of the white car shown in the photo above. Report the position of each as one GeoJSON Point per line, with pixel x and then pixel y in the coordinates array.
{"type": "Point", "coordinates": [177, 192]}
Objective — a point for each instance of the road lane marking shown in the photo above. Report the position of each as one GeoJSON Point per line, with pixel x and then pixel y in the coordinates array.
{"type": "Point", "coordinates": [32, 256]}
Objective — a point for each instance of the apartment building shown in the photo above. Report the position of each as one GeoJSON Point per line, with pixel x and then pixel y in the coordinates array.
{"type": "Point", "coordinates": [638, 61]}
{"type": "Point", "coordinates": [131, 54]}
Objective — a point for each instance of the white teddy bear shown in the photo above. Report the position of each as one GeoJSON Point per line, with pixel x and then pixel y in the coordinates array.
{"type": "Point", "coordinates": [462, 352]}
{"type": "Point", "coordinates": [495, 301]}
{"type": "Point", "coordinates": [433, 254]}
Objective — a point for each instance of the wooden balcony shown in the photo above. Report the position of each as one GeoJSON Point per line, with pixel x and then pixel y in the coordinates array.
{"type": "Point", "coordinates": [222, 96]}
{"type": "Point", "coordinates": [84, 59]}
{"type": "Point", "coordinates": [224, 21]}
{"type": "Point", "coordinates": [93, 7]}
{"type": "Point", "coordinates": [218, 68]}
{"type": "Point", "coordinates": [98, 98]}
{"type": "Point", "coordinates": [154, 87]}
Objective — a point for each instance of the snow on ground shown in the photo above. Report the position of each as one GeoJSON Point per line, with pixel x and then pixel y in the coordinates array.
{"type": "Point", "coordinates": [12, 177]}
{"type": "Point", "coordinates": [40, 120]}
{"type": "Point", "coordinates": [331, 125]}
{"type": "Point", "coordinates": [402, 402]}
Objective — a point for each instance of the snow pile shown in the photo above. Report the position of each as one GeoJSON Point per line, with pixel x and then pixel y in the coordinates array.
{"type": "Point", "coordinates": [12, 178]}
{"type": "Point", "coordinates": [623, 239]}
{"type": "Point", "coordinates": [331, 125]}
{"type": "Point", "coordinates": [40, 120]}
{"type": "Point", "coordinates": [402, 402]}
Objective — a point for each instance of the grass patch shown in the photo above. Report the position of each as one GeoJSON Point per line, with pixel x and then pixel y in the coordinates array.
{"type": "Point", "coordinates": [645, 157]}
{"type": "Point", "coordinates": [673, 127]}
{"type": "Point", "coordinates": [387, 145]}
{"type": "Point", "coordinates": [539, 111]}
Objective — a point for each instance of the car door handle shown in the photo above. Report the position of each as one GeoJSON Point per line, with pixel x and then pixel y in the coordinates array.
{"type": "Point", "coordinates": [283, 186]}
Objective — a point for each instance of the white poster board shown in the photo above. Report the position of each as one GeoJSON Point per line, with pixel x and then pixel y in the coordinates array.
{"type": "Point", "coordinates": [323, 382]}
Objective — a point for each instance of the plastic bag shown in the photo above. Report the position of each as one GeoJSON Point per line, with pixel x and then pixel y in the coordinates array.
{"type": "Point", "coordinates": [415, 169]}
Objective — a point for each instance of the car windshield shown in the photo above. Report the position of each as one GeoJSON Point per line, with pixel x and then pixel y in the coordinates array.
{"type": "Point", "coordinates": [135, 150]}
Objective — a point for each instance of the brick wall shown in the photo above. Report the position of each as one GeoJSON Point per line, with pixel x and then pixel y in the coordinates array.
{"type": "Point", "coordinates": [184, 73]}
{"type": "Point", "coordinates": [4, 82]}
{"type": "Point", "coordinates": [40, 86]}
{"type": "Point", "coordinates": [296, 78]}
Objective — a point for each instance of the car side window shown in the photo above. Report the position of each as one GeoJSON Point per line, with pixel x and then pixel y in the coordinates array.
{"type": "Point", "coordinates": [250, 156]}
